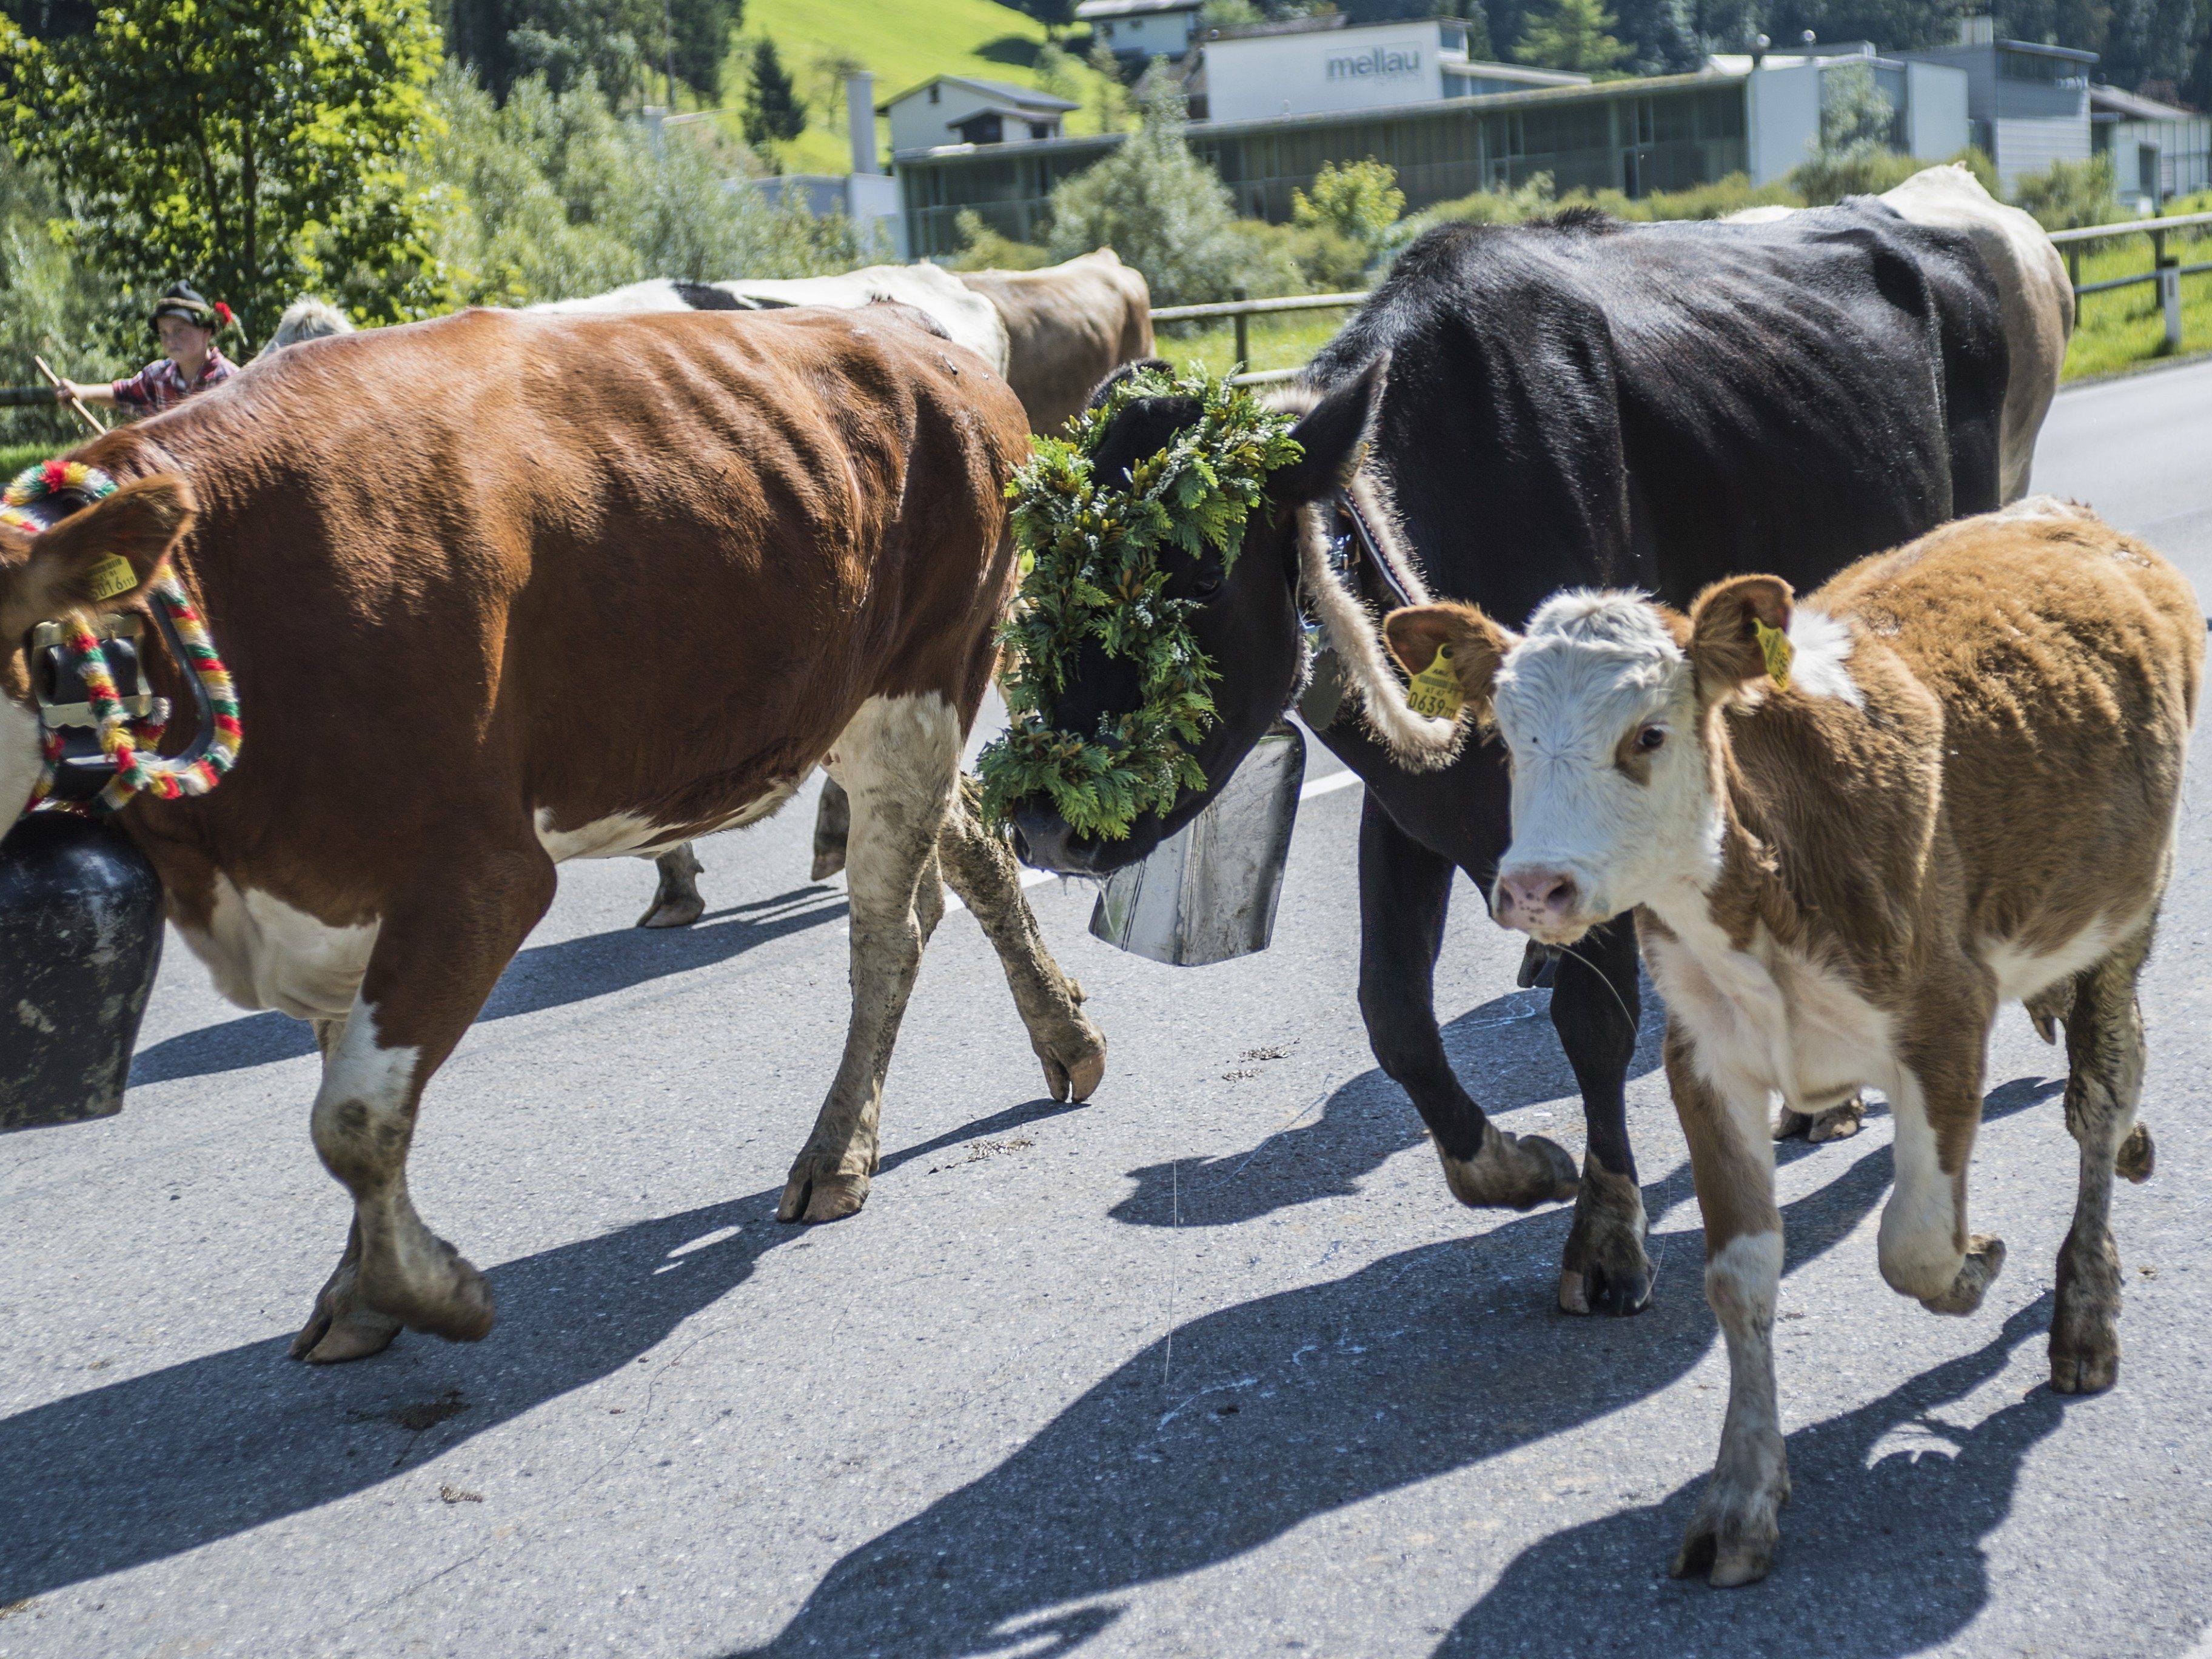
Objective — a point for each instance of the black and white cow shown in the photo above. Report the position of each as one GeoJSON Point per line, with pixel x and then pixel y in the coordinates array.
{"type": "Point", "coordinates": [1573, 402]}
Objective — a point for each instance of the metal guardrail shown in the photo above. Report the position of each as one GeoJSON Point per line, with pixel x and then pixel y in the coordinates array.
{"type": "Point", "coordinates": [2167, 274]}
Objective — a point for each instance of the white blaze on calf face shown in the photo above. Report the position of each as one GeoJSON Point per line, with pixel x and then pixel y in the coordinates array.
{"type": "Point", "coordinates": [1611, 800]}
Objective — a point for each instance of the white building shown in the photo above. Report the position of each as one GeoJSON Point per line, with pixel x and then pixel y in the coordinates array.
{"type": "Point", "coordinates": [1322, 66]}
{"type": "Point", "coordinates": [2029, 103]}
{"type": "Point", "coordinates": [2158, 151]}
{"type": "Point", "coordinates": [1142, 28]}
{"type": "Point", "coordinates": [957, 109]}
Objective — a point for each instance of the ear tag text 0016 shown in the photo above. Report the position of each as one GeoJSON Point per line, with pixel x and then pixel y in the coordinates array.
{"type": "Point", "coordinates": [1434, 692]}
{"type": "Point", "coordinates": [1774, 646]}
{"type": "Point", "coordinates": [111, 575]}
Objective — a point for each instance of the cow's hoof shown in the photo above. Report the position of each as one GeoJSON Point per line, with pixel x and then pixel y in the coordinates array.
{"type": "Point", "coordinates": [1074, 1056]}
{"type": "Point", "coordinates": [1985, 1259]}
{"type": "Point", "coordinates": [1514, 1172]}
{"type": "Point", "coordinates": [2048, 1008]}
{"type": "Point", "coordinates": [2082, 1371]}
{"type": "Point", "coordinates": [2085, 1326]}
{"type": "Point", "coordinates": [440, 1293]}
{"type": "Point", "coordinates": [1604, 1262]}
{"type": "Point", "coordinates": [1837, 1123]}
{"type": "Point", "coordinates": [2138, 1157]}
{"type": "Point", "coordinates": [341, 1328]}
{"type": "Point", "coordinates": [819, 1191]}
{"type": "Point", "coordinates": [1731, 1539]}
{"type": "Point", "coordinates": [679, 912]}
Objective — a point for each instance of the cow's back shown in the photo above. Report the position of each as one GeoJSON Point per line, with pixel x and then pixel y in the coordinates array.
{"type": "Point", "coordinates": [1068, 326]}
{"type": "Point", "coordinates": [1582, 401]}
{"type": "Point", "coordinates": [642, 566]}
{"type": "Point", "coordinates": [2067, 659]}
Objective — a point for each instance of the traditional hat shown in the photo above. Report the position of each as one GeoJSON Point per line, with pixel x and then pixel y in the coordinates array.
{"type": "Point", "coordinates": [182, 299]}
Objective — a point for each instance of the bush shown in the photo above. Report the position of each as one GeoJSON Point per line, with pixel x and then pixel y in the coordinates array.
{"type": "Point", "coordinates": [1826, 178]}
{"type": "Point", "coordinates": [1158, 206]}
{"type": "Point", "coordinates": [1358, 201]}
{"type": "Point", "coordinates": [1715, 200]}
{"type": "Point", "coordinates": [1528, 200]}
{"type": "Point", "coordinates": [983, 249]}
{"type": "Point", "coordinates": [2069, 194]}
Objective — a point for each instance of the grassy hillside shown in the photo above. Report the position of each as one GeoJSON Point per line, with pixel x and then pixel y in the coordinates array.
{"type": "Point", "coordinates": [904, 43]}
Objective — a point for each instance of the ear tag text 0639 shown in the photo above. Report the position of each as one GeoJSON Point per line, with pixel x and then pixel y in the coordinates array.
{"type": "Point", "coordinates": [111, 575]}
{"type": "Point", "coordinates": [1434, 692]}
{"type": "Point", "coordinates": [1774, 646]}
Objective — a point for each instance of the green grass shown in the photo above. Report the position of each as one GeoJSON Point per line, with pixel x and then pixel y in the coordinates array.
{"type": "Point", "coordinates": [904, 45]}
{"type": "Point", "coordinates": [2125, 328]}
{"type": "Point", "coordinates": [1283, 340]}
{"type": "Point", "coordinates": [14, 458]}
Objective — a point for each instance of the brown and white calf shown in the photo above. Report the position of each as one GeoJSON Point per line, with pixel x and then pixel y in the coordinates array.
{"type": "Point", "coordinates": [1965, 793]}
{"type": "Point", "coordinates": [501, 590]}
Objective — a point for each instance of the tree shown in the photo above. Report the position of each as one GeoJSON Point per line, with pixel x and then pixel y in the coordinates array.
{"type": "Point", "coordinates": [1054, 72]}
{"type": "Point", "coordinates": [1573, 37]}
{"type": "Point", "coordinates": [257, 148]}
{"type": "Point", "coordinates": [775, 113]}
{"type": "Point", "coordinates": [617, 41]}
{"type": "Point", "coordinates": [1113, 96]}
{"type": "Point", "coordinates": [1156, 204]}
{"type": "Point", "coordinates": [1360, 200]}
{"type": "Point", "coordinates": [1856, 117]}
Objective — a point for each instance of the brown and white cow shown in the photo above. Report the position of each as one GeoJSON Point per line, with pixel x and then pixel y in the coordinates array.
{"type": "Point", "coordinates": [499, 591]}
{"type": "Point", "coordinates": [1068, 326]}
{"type": "Point", "coordinates": [1956, 784]}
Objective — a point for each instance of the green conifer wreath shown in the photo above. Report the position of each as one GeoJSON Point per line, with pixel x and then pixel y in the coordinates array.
{"type": "Point", "coordinates": [1095, 564]}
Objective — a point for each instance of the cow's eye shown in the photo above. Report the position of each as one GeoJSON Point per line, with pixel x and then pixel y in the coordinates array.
{"type": "Point", "coordinates": [1650, 738]}
{"type": "Point", "coordinates": [1207, 586]}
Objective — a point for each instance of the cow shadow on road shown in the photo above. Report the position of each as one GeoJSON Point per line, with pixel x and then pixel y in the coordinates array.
{"type": "Point", "coordinates": [1293, 1405]}
{"type": "Point", "coordinates": [1895, 1539]}
{"type": "Point", "coordinates": [1504, 1051]}
{"type": "Point", "coordinates": [540, 977]}
{"type": "Point", "coordinates": [154, 1465]}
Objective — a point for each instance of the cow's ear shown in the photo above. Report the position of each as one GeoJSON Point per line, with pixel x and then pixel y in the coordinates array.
{"type": "Point", "coordinates": [1333, 436]}
{"type": "Point", "coordinates": [1476, 645]}
{"type": "Point", "coordinates": [1738, 633]}
{"type": "Point", "coordinates": [98, 558]}
{"type": "Point", "coordinates": [1104, 389]}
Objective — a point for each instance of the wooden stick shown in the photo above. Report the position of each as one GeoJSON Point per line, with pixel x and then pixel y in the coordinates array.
{"type": "Point", "coordinates": [62, 396]}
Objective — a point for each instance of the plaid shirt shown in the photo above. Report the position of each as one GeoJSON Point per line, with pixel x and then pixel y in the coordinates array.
{"type": "Point", "coordinates": [159, 385]}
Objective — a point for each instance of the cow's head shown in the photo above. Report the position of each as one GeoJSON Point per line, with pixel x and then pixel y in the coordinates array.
{"type": "Point", "coordinates": [68, 570]}
{"type": "Point", "coordinates": [1247, 620]}
{"type": "Point", "coordinates": [1603, 706]}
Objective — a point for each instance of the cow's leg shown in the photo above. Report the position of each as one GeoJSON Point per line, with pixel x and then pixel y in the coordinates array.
{"type": "Point", "coordinates": [676, 901]}
{"type": "Point", "coordinates": [897, 760]}
{"type": "Point", "coordinates": [1936, 1105]}
{"type": "Point", "coordinates": [1732, 1536]}
{"type": "Point", "coordinates": [438, 954]}
{"type": "Point", "coordinates": [1405, 892]}
{"type": "Point", "coordinates": [1595, 1007]}
{"type": "Point", "coordinates": [2104, 1085]}
{"type": "Point", "coordinates": [833, 827]}
{"type": "Point", "coordinates": [983, 873]}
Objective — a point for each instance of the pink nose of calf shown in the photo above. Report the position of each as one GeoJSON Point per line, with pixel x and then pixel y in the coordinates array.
{"type": "Point", "coordinates": [1535, 898]}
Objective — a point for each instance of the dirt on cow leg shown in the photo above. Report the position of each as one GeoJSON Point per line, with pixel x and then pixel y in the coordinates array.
{"type": "Point", "coordinates": [897, 759]}
{"type": "Point", "coordinates": [833, 828]}
{"type": "Point", "coordinates": [983, 871]}
{"type": "Point", "coordinates": [1508, 1171]}
{"type": "Point", "coordinates": [676, 902]}
{"type": "Point", "coordinates": [438, 953]}
{"type": "Point", "coordinates": [2105, 1056]}
{"type": "Point", "coordinates": [1604, 1258]}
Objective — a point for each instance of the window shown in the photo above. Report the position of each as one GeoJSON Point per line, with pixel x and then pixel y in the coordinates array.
{"type": "Point", "coordinates": [933, 92]}
{"type": "Point", "coordinates": [2045, 71]}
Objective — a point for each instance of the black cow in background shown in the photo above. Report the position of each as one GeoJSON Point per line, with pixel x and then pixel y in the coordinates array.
{"type": "Point", "coordinates": [1572, 403]}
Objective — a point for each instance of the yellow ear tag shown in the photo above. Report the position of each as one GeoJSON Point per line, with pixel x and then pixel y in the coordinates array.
{"type": "Point", "coordinates": [1774, 645]}
{"type": "Point", "coordinates": [1435, 691]}
{"type": "Point", "coordinates": [110, 576]}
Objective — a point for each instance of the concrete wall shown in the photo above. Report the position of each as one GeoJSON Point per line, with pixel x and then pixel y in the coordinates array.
{"type": "Point", "coordinates": [1782, 119]}
{"type": "Point", "coordinates": [1324, 72]}
{"type": "Point", "coordinates": [1935, 124]}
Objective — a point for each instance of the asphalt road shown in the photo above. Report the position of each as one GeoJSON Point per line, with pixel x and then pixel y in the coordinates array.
{"type": "Point", "coordinates": [1212, 1365]}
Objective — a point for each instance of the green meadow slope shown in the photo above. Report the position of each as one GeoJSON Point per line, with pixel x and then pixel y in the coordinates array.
{"type": "Point", "coordinates": [904, 42]}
